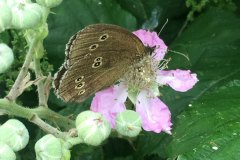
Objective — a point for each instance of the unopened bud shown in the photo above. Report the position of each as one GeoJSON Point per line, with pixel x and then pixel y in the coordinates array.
{"type": "Point", "coordinates": [51, 148]}
{"type": "Point", "coordinates": [14, 134]}
{"type": "Point", "coordinates": [5, 15]}
{"type": "Point", "coordinates": [6, 153]}
{"type": "Point", "coordinates": [26, 15]}
{"type": "Point", "coordinates": [128, 123]}
{"type": "Point", "coordinates": [92, 127]}
{"type": "Point", "coordinates": [49, 3]}
{"type": "Point", "coordinates": [12, 3]}
{"type": "Point", "coordinates": [6, 57]}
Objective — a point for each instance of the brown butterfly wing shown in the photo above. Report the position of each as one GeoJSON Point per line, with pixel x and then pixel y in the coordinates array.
{"type": "Point", "coordinates": [97, 57]}
{"type": "Point", "coordinates": [78, 45]}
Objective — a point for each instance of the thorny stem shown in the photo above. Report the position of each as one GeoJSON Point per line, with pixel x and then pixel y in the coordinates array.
{"type": "Point", "coordinates": [48, 128]}
{"type": "Point", "coordinates": [40, 85]}
{"type": "Point", "coordinates": [35, 115]}
{"type": "Point", "coordinates": [41, 113]}
{"type": "Point", "coordinates": [14, 92]}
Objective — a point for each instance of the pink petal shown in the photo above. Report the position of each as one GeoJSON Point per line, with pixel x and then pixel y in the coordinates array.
{"type": "Point", "coordinates": [179, 80]}
{"type": "Point", "coordinates": [151, 39]}
{"type": "Point", "coordinates": [110, 102]}
{"type": "Point", "coordinates": [154, 114]}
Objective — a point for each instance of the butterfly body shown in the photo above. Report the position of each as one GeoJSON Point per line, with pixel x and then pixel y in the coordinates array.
{"type": "Point", "coordinates": [96, 57]}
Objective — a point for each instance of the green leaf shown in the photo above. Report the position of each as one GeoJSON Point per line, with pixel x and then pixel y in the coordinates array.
{"type": "Point", "coordinates": [212, 51]}
{"type": "Point", "coordinates": [174, 11]}
{"type": "Point", "coordinates": [135, 7]}
{"type": "Point", "coordinates": [210, 127]}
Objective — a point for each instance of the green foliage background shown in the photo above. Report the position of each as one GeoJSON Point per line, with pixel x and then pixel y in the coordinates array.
{"type": "Point", "coordinates": [208, 31]}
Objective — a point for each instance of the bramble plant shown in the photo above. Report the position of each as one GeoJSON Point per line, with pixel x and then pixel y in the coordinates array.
{"type": "Point", "coordinates": [125, 110]}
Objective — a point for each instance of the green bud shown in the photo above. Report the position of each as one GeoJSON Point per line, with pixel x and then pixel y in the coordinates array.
{"type": "Point", "coordinates": [66, 155]}
{"type": "Point", "coordinates": [15, 134]}
{"type": "Point", "coordinates": [128, 123]}
{"type": "Point", "coordinates": [40, 33]}
{"type": "Point", "coordinates": [26, 15]}
{"type": "Point", "coordinates": [12, 3]}
{"type": "Point", "coordinates": [6, 57]}
{"type": "Point", "coordinates": [51, 148]}
{"type": "Point", "coordinates": [92, 127]}
{"type": "Point", "coordinates": [5, 16]}
{"type": "Point", "coordinates": [6, 153]}
{"type": "Point", "coordinates": [49, 3]}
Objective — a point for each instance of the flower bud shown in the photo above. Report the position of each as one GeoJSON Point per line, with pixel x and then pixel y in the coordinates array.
{"type": "Point", "coordinates": [6, 153]}
{"type": "Point", "coordinates": [12, 3]}
{"type": "Point", "coordinates": [14, 134]}
{"type": "Point", "coordinates": [92, 127]}
{"type": "Point", "coordinates": [49, 3]}
{"type": "Point", "coordinates": [5, 16]}
{"type": "Point", "coordinates": [66, 155]}
{"type": "Point", "coordinates": [128, 123]}
{"type": "Point", "coordinates": [51, 148]}
{"type": "Point", "coordinates": [26, 15]}
{"type": "Point", "coordinates": [6, 57]}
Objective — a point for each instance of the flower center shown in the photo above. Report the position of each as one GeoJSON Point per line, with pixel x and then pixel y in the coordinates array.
{"type": "Point", "coordinates": [141, 75]}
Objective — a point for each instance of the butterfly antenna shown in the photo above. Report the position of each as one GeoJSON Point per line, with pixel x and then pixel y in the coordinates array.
{"type": "Point", "coordinates": [163, 27]}
{"type": "Point", "coordinates": [164, 64]}
{"type": "Point", "coordinates": [179, 54]}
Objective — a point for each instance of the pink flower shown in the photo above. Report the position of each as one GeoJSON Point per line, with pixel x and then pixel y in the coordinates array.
{"type": "Point", "coordinates": [110, 102]}
{"type": "Point", "coordinates": [154, 113]}
{"type": "Point", "coordinates": [142, 89]}
{"type": "Point", "coordinates": [151, 39]}
{"type": "Point", "coordinates": [179, 80]}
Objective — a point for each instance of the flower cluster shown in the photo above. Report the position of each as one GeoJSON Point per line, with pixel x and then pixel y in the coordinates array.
{"type": "Point", "coordinates": [24, 14]}
{"type": "Point", "coordinates": [143, 91]}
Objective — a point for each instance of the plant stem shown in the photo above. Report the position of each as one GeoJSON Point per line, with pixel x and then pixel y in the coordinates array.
{"type": "Point", "coordinates": [54, 117]}
{"type": "Point", "coordinates": [11, 108]}
{"type": "Point", "coordinates": [14, 92]}
{"type": "Point", "coordinates": [42, 97]}
{"type": "Point", "coordinates": [70, 142]}
{"type": "Point", "coordinates": [48, 128]}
